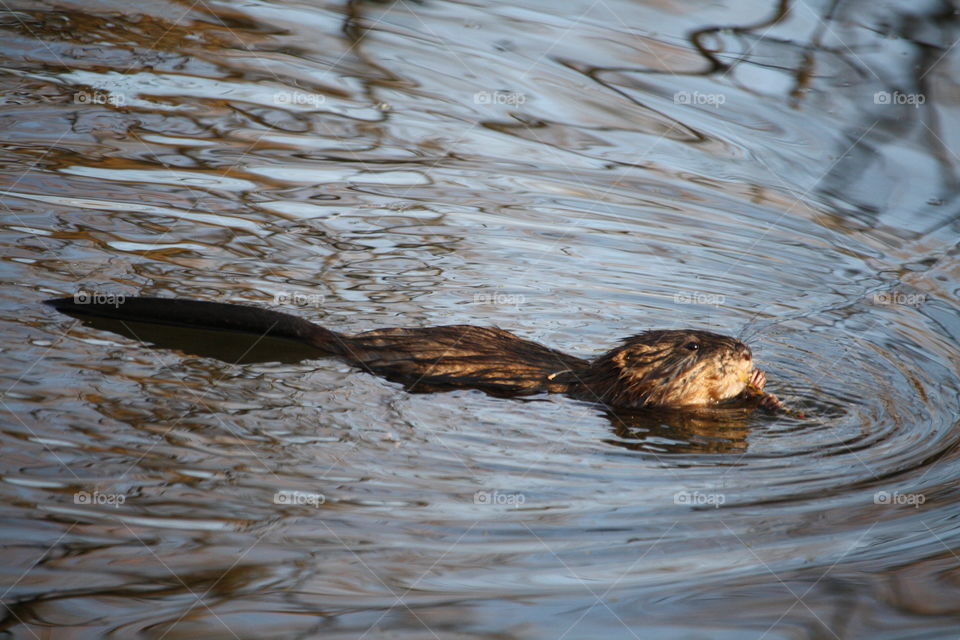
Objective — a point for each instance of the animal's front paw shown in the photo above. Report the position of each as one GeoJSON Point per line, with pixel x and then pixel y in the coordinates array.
{"type": "Point", "coordinates": [758, 379]}
{"type": "Point", "coordinates": [771, 402]}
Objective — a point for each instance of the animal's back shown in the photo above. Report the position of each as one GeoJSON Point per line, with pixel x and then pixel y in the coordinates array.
{"type": "Point", "coordinates": [459, 355]}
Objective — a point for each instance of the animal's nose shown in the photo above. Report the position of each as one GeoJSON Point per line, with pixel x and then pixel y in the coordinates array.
{"type": "Point", "coordinates": [745, 352]}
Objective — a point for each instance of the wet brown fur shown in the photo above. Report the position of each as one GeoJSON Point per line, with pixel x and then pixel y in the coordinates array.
{"type": "Point", "coordinates": [662, 368]}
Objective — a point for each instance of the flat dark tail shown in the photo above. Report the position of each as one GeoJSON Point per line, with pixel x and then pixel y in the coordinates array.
{"type": "Point", "coordinates": [447, 356]}
{"type": "Point", "coordinates": [203, 315]}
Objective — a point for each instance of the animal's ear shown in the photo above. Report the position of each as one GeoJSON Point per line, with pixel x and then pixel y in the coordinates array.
{"type": "Point", "coordinates": [637, 355]}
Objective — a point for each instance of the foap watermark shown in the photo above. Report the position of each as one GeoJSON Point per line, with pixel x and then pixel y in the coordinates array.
{"type": "Point", "coordinates": [699, 499]}
{"type": "Point", "coordinates": [99, 97]}
{"type": "Point", "coordinates": [510, 299]}
{"type": "Point", "coordinates": [499, 498]}
{"type": "Point", "coordinates": [99, 297]}
{"type": "Point", "coordinates": [298, 99]}
{"type": "Point", "coordinates": [899, 499]}
{"type": "Point", "coordinates": [697, 297]}
{"type": "Point", "coordinates": [899, 298]}
{"type": "Point", "coordinates": [512, 98]}
{"type": "Point", "coordinates": [898, 98]}
{"type": "Point", "coordinates": [298, 299]}
{"type": "Point", "coordinates": [299, 498]}
{"type": "Point", "coordinates": [697, 98]}
{"type": "Point", "coordinates": [89, 498]}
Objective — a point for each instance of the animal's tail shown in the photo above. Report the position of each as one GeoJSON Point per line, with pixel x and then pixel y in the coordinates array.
{"type": "Point", "coordinates": [204, 315]}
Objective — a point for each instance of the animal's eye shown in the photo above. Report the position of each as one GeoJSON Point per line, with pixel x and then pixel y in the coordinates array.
{"type": "Point", "coordinates": [692, 346]}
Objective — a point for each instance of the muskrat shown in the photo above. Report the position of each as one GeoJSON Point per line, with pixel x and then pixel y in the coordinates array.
{"type": "Point", "coordinates": [657, 368]}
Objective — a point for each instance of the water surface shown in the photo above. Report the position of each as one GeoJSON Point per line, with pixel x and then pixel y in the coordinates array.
{"type": "Point", "coordinates": [573, 173]}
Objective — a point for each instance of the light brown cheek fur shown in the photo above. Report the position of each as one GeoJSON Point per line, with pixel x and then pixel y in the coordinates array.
{"type": "Point", "coordinates": [695, 387]}
{"type": "Point", "coordinates": [727, 380]}
{"type": "Point", "coordinates": [734, 380]}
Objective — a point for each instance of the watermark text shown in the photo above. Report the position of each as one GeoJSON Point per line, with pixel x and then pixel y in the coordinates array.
{"type": "Point", "coordinates": [100, 499]}
{"type": "Point", "coordinates": [99, 97]}
{"type": "Point", "coordinates": [499, 498]}
{"type": "Point", "coordinates": [697, 98]}
{"type": "Point", "coordinates": [896, 297]}
{"type": "Point", "coordinates": [298, 299]}
{"type": "Point", "coordinates": [899, 499]}
{"type": "Point", "coordinates": [298, 98]}
{"type": "Point", "coordinates": [512, 98]}
{"type": "Point", "coordinates": [715, 299]}
{"type": "Point", "coordinates": [98, 297]}
{"type": "Point", "coordinates": [514, 299]}
{"type": "Point", "coordinates": [299, 498]}
{"type": "Point", "coordinates": [898, 98]}
{"type": "Point", "coordinates": [699, 499]}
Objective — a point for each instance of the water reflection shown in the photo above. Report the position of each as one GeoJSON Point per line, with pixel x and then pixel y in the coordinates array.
{"type": "Point", "coordinates": [722, 430]}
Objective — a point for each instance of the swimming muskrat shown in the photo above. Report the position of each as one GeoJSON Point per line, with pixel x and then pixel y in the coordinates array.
{"type": "Point", "coordinates": [658, 368]}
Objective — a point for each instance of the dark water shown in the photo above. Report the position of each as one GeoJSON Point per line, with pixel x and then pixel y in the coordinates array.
{"type": "Point", "coordinates": [572, 172]}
